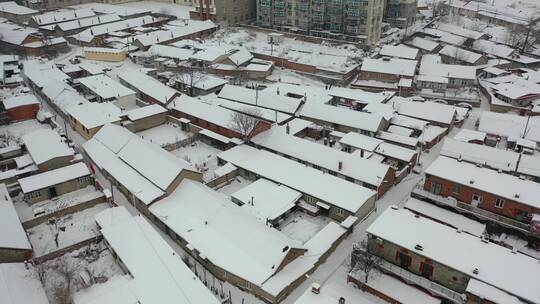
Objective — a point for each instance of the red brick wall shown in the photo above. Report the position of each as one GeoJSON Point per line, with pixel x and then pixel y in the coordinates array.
{"type": "Point", "coordinates": [207, 125]}
{"type": "Point", "coordinates": [24, 112]}
{"type": "Point", "coordinates": [510, 207]}
{"type": "Point", "coordinates": [378, 76]}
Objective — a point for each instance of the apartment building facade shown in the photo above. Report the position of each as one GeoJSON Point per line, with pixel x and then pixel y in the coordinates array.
{"type": "Point", "coordinates": [229, 12]}
{"type": "Point", "coordinates": [352, 20]}
{"type": "Point", "coordinates": [400, 13]}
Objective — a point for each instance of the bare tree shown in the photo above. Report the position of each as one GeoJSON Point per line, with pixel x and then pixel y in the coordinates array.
{"type": "Point", "coordinates": [40, 272]}
{"type": "Point", "coordinates": [63, 290]}
{"type": "Point", "coordinates": [245, 122]}
{"type": "Point", "coordinates": [531, 21]}
{"type": "Point", "coordinates": [364, 261]}
{"type": "Point", "coordinates": [188, 79]}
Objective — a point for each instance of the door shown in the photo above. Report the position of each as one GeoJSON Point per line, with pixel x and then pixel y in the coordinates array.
{"type": "Point", "coordinates": [435, 188]}
{"type": "Point", "coordinates": [52, 192]}
{"type": "Point", "coordinates": [476, 200]}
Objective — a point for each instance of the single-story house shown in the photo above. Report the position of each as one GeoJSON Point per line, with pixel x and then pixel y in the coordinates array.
{"type": "Point", "coordinates": [53, 183]}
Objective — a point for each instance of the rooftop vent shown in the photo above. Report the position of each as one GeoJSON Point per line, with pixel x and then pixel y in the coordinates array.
{"type": "Point", "coordinates": [476, 271]}
{"type": "Point", "coordinates": [418, 247]}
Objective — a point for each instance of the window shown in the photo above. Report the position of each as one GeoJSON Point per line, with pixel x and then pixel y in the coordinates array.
{"type": "Point", "coordinates": [499, 202]}
{"type": "Point", "coordinates": [426, 269]}
{"type": "Point", "coordinates": [34, 194]}
{"type": "Point", "coordinates": [248, 285]}
{"type": "Point", "coordinates": [340, 211]}
{"type": "Point", "coordinates": [83, 179]}
{"type": "Point", "coordinates": [456, 188]}
{"type": "Point", "coordinates": [403, 259]}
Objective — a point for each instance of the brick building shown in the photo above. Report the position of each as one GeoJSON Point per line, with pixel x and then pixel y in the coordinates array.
{"type": "Point", "coordinates": [213, 118]}
{"type": "Point", "coordinates": [452, 260]}
{"type": "Point", "coordinates": [483, 188]}
{"type": "Point", "coordinates": [22, 107]}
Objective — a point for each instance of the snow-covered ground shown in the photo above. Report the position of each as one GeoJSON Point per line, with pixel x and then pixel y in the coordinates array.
{"type": "Point", "coordinates": [301, 226]}
{"type": "Point", "coordinates": [234, 185]}
{"type": "Point", "coordinates": [94, 261]}
{"type": "Point", "coordinates": [202, 156]}
{"type": "Point", "coordinates": [164, 134]}
{"type": "Point", "coordinates": [71, 229]}
{"type": "Point", "coordinates": [27, 211]}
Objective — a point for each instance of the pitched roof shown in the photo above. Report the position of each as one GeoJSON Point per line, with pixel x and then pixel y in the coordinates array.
{"type": "Point", "coordinates": [443, 244]}
{"type": "Point", "coordinates": [44, 145]}
{"type": "Point", "coordinates": [225, 234]}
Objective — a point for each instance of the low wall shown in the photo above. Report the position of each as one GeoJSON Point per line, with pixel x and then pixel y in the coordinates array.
{"type": "Point", "coordinates": [69, 210]}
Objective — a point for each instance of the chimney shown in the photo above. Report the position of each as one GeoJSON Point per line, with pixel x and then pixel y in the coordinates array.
{"type": "Point", "coordinates": [288, 129]}
{"type": "Point", "coordinates": [341, 300]}
{"type": "Point", "coordinates": [340, 165]}
{"type": "Point", "coordinates": [315, 288]}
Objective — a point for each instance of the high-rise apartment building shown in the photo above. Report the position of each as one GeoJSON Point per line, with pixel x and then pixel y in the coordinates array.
{"type": "Point", "coordinates": [351, 20]}
{"type": "Point", "coordinates": [400, 13]}
{"type": "Point", "coordinates": [230, 12]}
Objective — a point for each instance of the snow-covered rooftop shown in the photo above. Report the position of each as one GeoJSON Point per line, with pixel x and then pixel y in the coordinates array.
{"type": "Point", "coordinates": [15, 34]}
{"type": "Point", "coordinates": [202, 82]}
{"type": "Point", "coordinates": [429, 111]}
{"type": "Point", "coordinates": [105, 87]}
{"type": "Point", "coordinates": [20, 285]}
{"type": "Point", "coordinates": [448, 70]}
{"type": "Point", "coordinates": [11, 7]}
{"type": "Point", "coordinates": [267, 200]}
{"type": "Point", "coordinates": [157, 165]}
{"type": "Point", "coordinates": [158, 274]}
{"type": "Point", "coordinates": [94, 114]}
{"type": "Point", "coordinates": [215, 114]}
{"type": "Point", "coordinates": [459, 30]}
{"type": "Point", "coordinates": [467, 135]}
{"type": "Point", "coordinates": [87, 22]}
{"type": "Point", "coordinates": [490, 293]}
{"type": "Point", "coordinates": [174, 32]}
{"type": "Point", "coordinates": [44, 145]}
{"type": "Point", "coordinates": [315, 183]}
{"type": "Point", "coordinates": [53, 177]}
{"type": "Point", "coordinates": [445, 216]}
{"type": "Point", "coordinates": [445, 37]}
{"type": "Point", "coordinates": [399, 51]}
{"type": "Point", "coordinates": [148, 85]}
{"type": "Point", "coordinates": [265, 99]}
{"type": "Point", "coordinates": [61, 16]}
{"type": "Point", "coordinates": [460, 54]}
{"type": "Point", "coordinates": [395, 66]}
{"type": "Point", "coordinates": [505, 160]}
{"type": "Point", "coordinates": [500, 184]}
{"type": "Point", "coordinates": [226, 234]}
{"type": "Point", "coordinates": [361, 141]}
{"type": "Point", "coordinates": [14, 236]}
{"type": "Point", "coordinates": [21, 100]}
{"type": "Point", "coordinates": [360, 96]}
{"type": "Point", "coordinates": [146, 111]}
{"type": "Point", "coordinates": [369, 172]}
{"type": "Point", "coordinates": [107, 160]}
{"type": "Point", "coordinates": [98, 30]}
{"type": "Point", "coordinates": [424, 44]}
{"type": "Point", "coordinates": [510, 125]}
{"type": "Point", "coordinates": [341, 116]}
{"type": "Point", "coordinates": [168, 51]}
{"type": "Point", "coordinates": [398, 138]}
{"type": "Point", "coordinates": [444, 245]}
